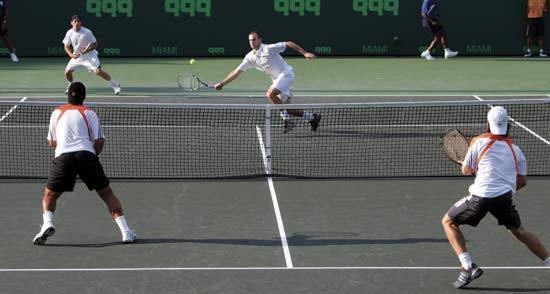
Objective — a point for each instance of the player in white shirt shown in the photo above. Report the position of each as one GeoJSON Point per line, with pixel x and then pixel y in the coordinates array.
{"type": "Point", "coordinates": [76, 134]}
{"type": "Point", "coordinates": [266, 58]}
{"type": "Point", "coordinates": [76, 43]}
{"type": "Point", "coordinates": [500, 169]}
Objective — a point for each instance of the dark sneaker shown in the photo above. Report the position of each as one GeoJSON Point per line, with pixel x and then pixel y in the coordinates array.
{"type": "Point", "coordinates": [315, 122]}
{"type": "Point", "coordinates": [467, 276]}
{"type": "Point", "coordinates": [288, 126]}
{"type": "Point", "coordinates": [46, 231]}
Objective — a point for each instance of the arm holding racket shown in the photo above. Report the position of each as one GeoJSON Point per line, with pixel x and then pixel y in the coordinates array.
{"type": "Point", "coordinates": [230, 77]}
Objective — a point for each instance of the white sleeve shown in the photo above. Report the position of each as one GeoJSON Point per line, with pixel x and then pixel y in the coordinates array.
{"type": "Point", "coordinates": [522, 162]}
{"type": "Point", "coordinates": [471, 156]}
{"type": "Point", "coordinates": [276, 48]}
{"type": "Point", "coordinates": [246, 64]}
{"type": "Point", "coordinates": [67, 39]}
{"type": "Point", "coordinates": [52, 135]}
{"type": "Point", "coordinates": [95, 126]}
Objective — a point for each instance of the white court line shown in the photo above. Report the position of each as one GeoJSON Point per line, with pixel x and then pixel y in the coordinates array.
{"type": "Point", "coordinates": [12, 109]}
{"type": "Point", "coordinates": [521, 125]}
{"type": "Point", "coordinates": [278, 216]}
{"type": "Point", "coordinates": [407, 268]}
{"type": "Point", "coordinates": [320, 94]}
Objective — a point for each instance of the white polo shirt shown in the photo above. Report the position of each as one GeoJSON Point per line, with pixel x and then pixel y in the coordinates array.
{"type": "Point", "coordinates": [75, 128]}
{"type": "Point", "coordinates": [79, 40]}
{"type": "Point", "coordinates": [497, 170]}
{"type": "Point", "coordinates": [267, 59]}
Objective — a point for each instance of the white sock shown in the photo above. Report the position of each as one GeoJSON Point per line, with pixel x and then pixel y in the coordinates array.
{"type": "Point", "coordinates": [47, 217]}
{"type": "Point", "coordinates": [122, 225]}
{"type": "Point", "coordinates": [547, 261]}
{"type": "Point", "coordinates": [465, 260]}
{"type": "Point", "coordinates": [285, 115]}
{"type": "Point", "coordinates": [114, 83]}
{"type": "Point", "coordinates": [308, 115]}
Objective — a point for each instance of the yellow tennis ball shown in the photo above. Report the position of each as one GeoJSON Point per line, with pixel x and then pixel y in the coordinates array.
{"type": "Point", "coordinates": [192, 61]}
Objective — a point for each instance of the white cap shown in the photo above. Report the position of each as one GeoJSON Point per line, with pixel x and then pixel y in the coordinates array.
{"type": "Point", "coordinates": [498, 120]}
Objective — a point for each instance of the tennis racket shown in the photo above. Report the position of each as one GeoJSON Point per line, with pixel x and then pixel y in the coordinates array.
{"type": "Point", "coordinates": [86, 49]}
{"type": "Point", "coordinates": [455, 145]}
{"type": "Point", "coordinates": [190, 82]}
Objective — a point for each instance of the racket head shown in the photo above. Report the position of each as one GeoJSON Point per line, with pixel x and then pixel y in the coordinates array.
{"type": "Point", "coordinates": [86, 48]}
{"type": "Point", "coordinates": [455, 145]}
{"type": "Point", "coordinates": [188, 82]}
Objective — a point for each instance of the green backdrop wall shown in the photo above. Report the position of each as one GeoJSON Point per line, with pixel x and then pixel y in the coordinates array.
{"type": "Point", "coordinates": [220, 27]}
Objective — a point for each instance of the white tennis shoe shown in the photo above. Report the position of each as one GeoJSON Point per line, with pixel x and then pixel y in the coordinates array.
{"type": "Point", "coordinates": [450, 53]}
{"type": "Point", "coordinates": [427, 54]}
{"type": "Point", "coordinates": [47, 230]}
{"type": "Point", "coordinates": [128, 237]}
{"type": "Point", "coordinates": [117, 88]}
{"type": "Point", "coordinates": [14, 57]}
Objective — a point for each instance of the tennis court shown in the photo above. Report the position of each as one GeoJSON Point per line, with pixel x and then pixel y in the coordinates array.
{"type": "Point", "coordinates": [271, 235]}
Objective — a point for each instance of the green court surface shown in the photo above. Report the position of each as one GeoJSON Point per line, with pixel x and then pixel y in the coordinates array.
{"type": "Point", "coordinates": [267, 235]}
{"type": "Point", "coordinates": [334, 76]}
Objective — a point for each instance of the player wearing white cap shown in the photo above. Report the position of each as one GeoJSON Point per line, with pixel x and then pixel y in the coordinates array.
{"type": "Point", "coordinates": [500, 169]}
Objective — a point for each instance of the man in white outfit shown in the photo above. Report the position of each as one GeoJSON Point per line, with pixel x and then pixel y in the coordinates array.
{"type": "Point", "coordinates": [267, 59]}
{"type": "Point", "coordinates": [81, 44]}
{"type": "Point", "coordinates": [75, 133]}
{"type": "Point", "coordinates": [500, 169]}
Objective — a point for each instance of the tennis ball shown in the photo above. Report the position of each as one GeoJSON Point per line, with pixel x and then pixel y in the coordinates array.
{"type": "Point", "coordinates": [192, 61]}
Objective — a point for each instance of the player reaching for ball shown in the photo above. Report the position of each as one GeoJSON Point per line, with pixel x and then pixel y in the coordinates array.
{"type": "Point", "coordinates": [266, 58]}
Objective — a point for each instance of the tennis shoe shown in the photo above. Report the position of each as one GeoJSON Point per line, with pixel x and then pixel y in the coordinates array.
{"type": "Point", "coordinates": [467, 276]}
{"type": "Point", "coordinates": [315, 122]}
{"type": "Point", "coordinates": [288, 126]}
{"type": "Point", "coordinates": [529, 53]}
{"type": "Point", "coordinates": [47, 230]}
{"type": "Point", "coordinates": [542, 54]}
{"type": "Point", "coordinates": [426, 54]}
{"type": "Point", "coordinates": [117, 88]}
{"type": "Point", "coordinates": [128, 237]}
{"type": "Point", "coordinates": [450, 54]}
{"type": "Point", "coordinates": [14, 57]}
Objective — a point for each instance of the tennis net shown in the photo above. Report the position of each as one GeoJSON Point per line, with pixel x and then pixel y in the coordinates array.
{"type": "Point", "coordinates": [201, 141]}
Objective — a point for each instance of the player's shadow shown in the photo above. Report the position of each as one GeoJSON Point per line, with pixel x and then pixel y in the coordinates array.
{"type": "Point", "coordinates": [508, 290]}
{"type": "Point", "coordinates": [294, 240]}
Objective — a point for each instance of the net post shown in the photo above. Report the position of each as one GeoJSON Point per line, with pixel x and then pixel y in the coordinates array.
{"type": "Point", "coordinates": [268, 140]}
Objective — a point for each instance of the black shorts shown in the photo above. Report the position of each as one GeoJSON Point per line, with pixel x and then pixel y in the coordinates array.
{"type": "Point", "coordinates": [435, 30]}
{"type": "Point", "coordinates": [470, 210]}
{"type": "Point", "coordinates": [535, 27]}
{"type": "Point", "coordinates": [67, 166]}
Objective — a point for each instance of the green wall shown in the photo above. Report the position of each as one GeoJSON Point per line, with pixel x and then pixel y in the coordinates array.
{"type": "Point", "coordinates": [220, 27]}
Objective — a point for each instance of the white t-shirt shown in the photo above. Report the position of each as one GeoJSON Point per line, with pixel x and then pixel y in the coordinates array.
{"type": "Point", "coordinates": [71, 131]}
{"type": "Point", "coordinates": [497, 171]}
{"type": "Point", "coordinates": [267, 59]}
{"type": "Point", "coordinates": [79, 40]}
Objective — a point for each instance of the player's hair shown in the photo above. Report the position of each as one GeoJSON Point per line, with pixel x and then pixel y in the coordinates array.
{"type": "Point", "coordinates": [76, 93]}
{"type": "Point", "coordinates": [256, 33]}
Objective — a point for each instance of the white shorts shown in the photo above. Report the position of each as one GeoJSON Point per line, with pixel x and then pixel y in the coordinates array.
{"type": "Point", "coordinates": [90, 61]}
{"type": "Point", "coordinates": [283, 83]}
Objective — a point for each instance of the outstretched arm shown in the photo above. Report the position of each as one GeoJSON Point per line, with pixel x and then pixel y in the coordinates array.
{"type": "Point", "coordinates": [228, 79]}
{"type": "Point", "coordinates": [300, 50]}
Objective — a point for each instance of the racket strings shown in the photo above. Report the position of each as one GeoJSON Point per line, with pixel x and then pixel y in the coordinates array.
{"type": "Point", "coordinates": [455, 145]}
{"type": "Point", "coordinates": [189, 82]}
